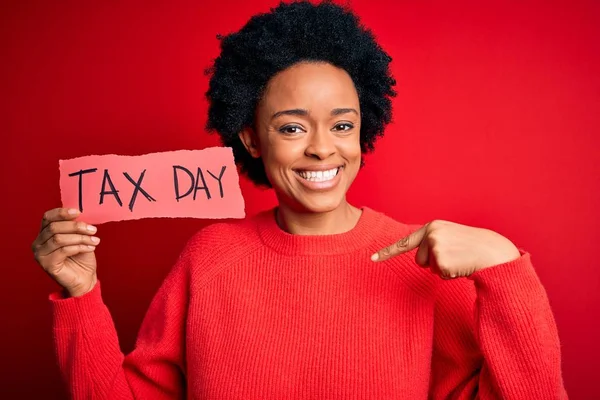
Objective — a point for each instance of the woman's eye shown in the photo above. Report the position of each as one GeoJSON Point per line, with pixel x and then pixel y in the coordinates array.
{"type": "Point", "coordinates": [290, 130]}
{"type": "Point", "coordinates": [343, 127]}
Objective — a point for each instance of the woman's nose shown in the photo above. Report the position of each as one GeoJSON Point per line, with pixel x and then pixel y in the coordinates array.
{"type": "Point", "coordinates": [320, 144]}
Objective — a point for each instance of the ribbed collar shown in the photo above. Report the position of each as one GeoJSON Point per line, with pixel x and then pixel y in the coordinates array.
{"type": "Point", "coordinates": [364, 232]}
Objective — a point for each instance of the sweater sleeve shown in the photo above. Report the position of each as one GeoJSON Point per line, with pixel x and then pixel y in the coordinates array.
{"type": "Point", "coordinates": [495, 337]}
{"type": "Point", "coordinates": [88, 352]}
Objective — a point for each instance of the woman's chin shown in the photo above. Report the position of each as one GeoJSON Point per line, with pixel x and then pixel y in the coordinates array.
{"type": "Point", "coordinates": [320, 203]}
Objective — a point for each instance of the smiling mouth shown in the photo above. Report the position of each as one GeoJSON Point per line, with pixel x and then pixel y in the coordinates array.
{"type": "Point", "coordinates": [318, 176]}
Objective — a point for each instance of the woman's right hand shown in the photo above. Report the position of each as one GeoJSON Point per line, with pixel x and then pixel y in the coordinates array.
{"type": "Point", "coordinates": [65, 250]}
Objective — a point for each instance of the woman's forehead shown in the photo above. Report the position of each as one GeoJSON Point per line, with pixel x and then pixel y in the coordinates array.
{"type": "Point", "coordinates": [311, 87]}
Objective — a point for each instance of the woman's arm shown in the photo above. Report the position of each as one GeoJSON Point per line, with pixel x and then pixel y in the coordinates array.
{"type": "Point", "coordinates": [91, 360]}
{"type": "Point", "coordinates": [495, 337]}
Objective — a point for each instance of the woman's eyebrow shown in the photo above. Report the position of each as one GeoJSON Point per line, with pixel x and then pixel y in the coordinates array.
{"type": "Point", "coordinates": [295, 111]}
{"type": "Point", "coordinates": [303, 112]}
{"type": "Point", "coordinates": [339, 111]}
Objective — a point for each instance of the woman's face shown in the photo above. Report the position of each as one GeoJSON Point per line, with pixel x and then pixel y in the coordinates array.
{"type": "Point", "coordinates": [308, 136]}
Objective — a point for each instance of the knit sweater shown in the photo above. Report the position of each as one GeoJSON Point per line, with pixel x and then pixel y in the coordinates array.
{"type": "Point", "coordinates": [251, 312]}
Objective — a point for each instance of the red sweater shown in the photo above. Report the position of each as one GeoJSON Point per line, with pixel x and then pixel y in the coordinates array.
{"type": "Point", "coordinates": [252, 312]}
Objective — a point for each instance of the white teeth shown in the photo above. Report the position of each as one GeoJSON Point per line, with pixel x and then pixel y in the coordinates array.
{"type": "Point", "coordinates": [318, 176]}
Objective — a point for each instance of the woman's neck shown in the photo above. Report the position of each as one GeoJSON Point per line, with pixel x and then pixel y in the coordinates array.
{"type": "Point", "coordinates": [342, 219]}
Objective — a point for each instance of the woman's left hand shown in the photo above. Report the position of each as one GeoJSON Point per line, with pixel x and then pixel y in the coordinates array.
{"type": "Point", "coordinates": [453, 250]}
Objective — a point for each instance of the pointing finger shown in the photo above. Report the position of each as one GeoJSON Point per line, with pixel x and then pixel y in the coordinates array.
{"type": "Point", "coordinates": [404, 245]}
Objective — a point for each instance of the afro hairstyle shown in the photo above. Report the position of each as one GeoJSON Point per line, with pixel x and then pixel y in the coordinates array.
{"type": "Point", "coordinates": [271, 42]}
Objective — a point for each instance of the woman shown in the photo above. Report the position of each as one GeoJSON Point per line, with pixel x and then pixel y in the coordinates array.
{"type": "Point", "coordinates": [315, 298]}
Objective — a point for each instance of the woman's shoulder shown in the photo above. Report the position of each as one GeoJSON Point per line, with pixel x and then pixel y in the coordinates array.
{"type": "Point", "coordinates": [216, 247]}
{"type": "Point", "coordinates": [225, 239]}
{"type": "Point", "coordinates": [230, 234]}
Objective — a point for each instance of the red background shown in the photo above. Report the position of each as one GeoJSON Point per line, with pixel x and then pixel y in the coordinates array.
{"type": "Point", "coordinates": [496, 125]}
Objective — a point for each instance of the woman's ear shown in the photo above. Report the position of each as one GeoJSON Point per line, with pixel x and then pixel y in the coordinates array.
{"type": "Point", "coordinates": [250, 141]}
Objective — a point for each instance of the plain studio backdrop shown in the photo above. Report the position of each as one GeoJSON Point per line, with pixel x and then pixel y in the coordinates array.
{"type": "Point", "coordinates": [496, 125]}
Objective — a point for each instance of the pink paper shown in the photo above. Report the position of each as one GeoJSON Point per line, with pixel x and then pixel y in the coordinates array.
{"type": "Point", "coordinates": [184, 183]}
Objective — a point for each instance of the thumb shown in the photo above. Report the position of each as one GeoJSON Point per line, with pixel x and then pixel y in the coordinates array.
{"type": "Point", "coordinates": [403, 245]}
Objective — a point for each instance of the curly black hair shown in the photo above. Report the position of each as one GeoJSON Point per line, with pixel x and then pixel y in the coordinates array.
{"type": "Point", "coordinates": [289, 34]}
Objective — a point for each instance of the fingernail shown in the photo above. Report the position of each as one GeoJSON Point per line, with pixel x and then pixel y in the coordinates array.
{"type": "Point", "coordinates": [95, 239]}
{"type": "Point", "coordinates": [91, 228]}
{"type": "Point", "coordinates": [375, 257]}
{"type": "Point", "coordinates": [91, 247]}
{"type": "Point", "coordinates": [72, 211]}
